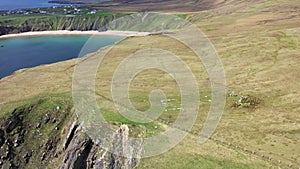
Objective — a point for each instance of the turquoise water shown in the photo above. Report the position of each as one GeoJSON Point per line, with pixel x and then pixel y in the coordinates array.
{"type": "Point", "coordinates": [18, 53]}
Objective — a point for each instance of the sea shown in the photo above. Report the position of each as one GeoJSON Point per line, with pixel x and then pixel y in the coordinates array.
{"type": "Point", "coordinates": [24, 4]}
{"type": "Point", "coordinates": [26, 52]}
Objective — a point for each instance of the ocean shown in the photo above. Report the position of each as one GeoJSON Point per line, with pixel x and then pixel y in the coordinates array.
{"type": "Point", "coordinates": [26, 52]}
{"type": "Point", "coordinates": [21, 4]}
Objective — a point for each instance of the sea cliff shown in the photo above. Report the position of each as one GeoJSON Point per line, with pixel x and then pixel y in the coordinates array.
{"type": "Point", "coordinates": [12, 25]}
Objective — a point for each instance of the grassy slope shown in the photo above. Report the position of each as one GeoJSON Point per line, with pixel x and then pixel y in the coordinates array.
{"type": "Point", "coordinates": [152, 5]}
{"type": "Point", "coordinates": [259, 46]}
{"type": "Point", "coordinates": [260, 50]}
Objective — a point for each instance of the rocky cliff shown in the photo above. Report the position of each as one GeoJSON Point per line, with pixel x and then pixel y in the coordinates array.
{"type": "Point", "coordinates": [47, 135]}
{"type": "Point", "coordinates": [43, 23]}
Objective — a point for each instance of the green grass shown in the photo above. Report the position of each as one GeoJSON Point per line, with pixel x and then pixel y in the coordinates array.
{"type": "Point", "coordinates": [150, 129]}
{"type": "Point", "coordinates": [6, 108]}
{"type": "Point", "coordinates": [193, 161]}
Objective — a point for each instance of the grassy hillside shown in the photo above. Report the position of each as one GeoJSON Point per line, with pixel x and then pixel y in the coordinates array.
{"type": "Point", "coordinates": [150, 5]}
{"type": "Point", "coordinates": [259, 45]}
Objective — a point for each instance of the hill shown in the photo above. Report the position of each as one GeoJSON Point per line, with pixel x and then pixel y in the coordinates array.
{"type": "Point", "coordinates": [149, 5]}
{"type": "Point", "coordinates": [259, 45]}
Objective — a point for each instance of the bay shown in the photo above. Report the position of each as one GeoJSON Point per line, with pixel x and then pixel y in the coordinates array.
{"type": "Point", "coordinates": [26, 52]}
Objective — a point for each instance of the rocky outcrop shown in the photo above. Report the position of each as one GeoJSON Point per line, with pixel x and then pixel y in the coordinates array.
{"type": "Point", "coordinates": [82, 152]}
{"type": "Point", "coordinates": [78, 152]}
{"type": "Point", "coordinates": [48, 134]}
{"type": "Point", "coordinates": [123, 153]}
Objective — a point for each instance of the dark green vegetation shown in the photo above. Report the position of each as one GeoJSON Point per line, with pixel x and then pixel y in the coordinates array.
{"type": "Point", "coordinates": [32, 134]}
{"type": "Point", "coordinates": [37, 22]}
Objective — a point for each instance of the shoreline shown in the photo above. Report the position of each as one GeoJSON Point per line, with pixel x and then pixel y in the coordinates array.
{"type": "Point", "coordinates": [66, 32]}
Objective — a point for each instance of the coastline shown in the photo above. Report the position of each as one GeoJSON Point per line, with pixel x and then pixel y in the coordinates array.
{"type": "Point", "coordinates": [66, 32]}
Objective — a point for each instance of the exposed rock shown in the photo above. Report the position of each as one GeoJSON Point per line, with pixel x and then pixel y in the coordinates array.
{"type": "Point", "coordinates": [26, 157]}
{"type": "Point", "coordinates": [247, 101]}
{"type": "Point", "coordinates": [122, 154]}
{"type": "Point", "coordinates": [46, 119]}
{"type": "Point", "coordinates": [54, 120]}
{"type": "Point", "coordinates": [2, 138]}
{"type": "Point", "coordinates": [12, 124]}
{"type": "Point", "coordinates": [43, 156]}
{"type": "Point", "coordinates": [232, 94]}
{"type": "Point", "coordinates": [24, 145]}
{"type": "Point", "coordinates": [70, 135]}
{"type": "Point", "coordinates": [38, 125]}
{"type": "Point", "coordinates": [77, 152]}
{"type": "Point", "coordinates": [82, 151]}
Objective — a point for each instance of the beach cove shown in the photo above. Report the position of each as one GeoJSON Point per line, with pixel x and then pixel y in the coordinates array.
{"type": "Point", "coordinates": [30, 49]}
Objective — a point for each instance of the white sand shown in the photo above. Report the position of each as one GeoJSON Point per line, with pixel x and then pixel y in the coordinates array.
{"type": "Point", "coordinates": [65, 32]}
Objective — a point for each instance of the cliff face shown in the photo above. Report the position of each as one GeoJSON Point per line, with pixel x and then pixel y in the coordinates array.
{"type": "Point", "coordinates": [48, 135]}
{"type": "Point", "coordinates": [43, 23]}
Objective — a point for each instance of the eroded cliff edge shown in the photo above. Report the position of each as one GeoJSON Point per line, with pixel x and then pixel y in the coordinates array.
{"type": "Point", "coordinates": [48, 134]}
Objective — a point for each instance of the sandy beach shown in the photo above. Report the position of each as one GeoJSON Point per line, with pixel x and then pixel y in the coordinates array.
{"type": "Point", "coordinates": [66, 32]}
